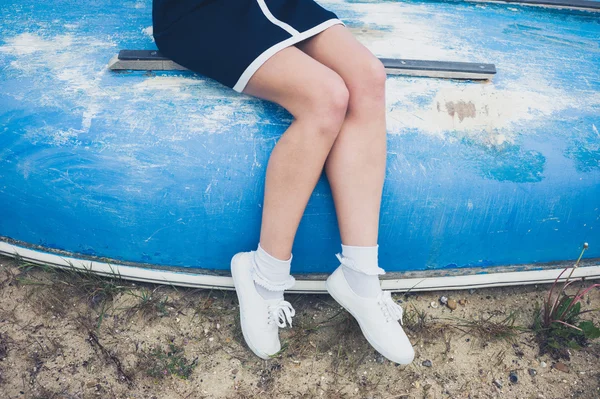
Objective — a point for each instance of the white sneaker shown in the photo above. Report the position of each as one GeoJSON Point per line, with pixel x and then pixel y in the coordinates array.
{"type": "Point", "coordinates": [377, 318]}
{"type": "Point", "coordinates": [260, 318]}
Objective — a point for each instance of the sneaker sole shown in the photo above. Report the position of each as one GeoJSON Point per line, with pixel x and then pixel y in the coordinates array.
{"type": "Point", "coordinates": [248, 342]}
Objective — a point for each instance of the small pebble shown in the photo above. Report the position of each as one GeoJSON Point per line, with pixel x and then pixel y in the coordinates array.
{"type": "Point", "coordinates": [427, 363]}
{"type": "Point", "coordinates": [543, 364]}
{"type": "Point", "coordinates": [561, 366]}
{"type": "Point", "coordinates": [532, 372]}
{"type": "Point", "coordinates": [433, 305]}
{"type": "Point", "coordinates": [462, 302]}
{"type": "Point", "coordinates": [498, 383]}
{"type": "Point", "coordinates": [443, 300]}
{"type": "Point", "coordinates": [513, 377]}
{"type": "Point", "coordinates": [451, 304]}
{"type": "Point", "coordinates": [380, 359]}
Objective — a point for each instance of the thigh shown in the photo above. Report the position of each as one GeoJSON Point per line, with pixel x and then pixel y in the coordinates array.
{"type": "Point", "coordinates": [292, 79]}
{"type": "Point", "coordinates": [337, 48]}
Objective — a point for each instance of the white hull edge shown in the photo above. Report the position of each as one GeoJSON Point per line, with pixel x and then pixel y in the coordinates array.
{"type": "Point", "coordinates": [313, 286]}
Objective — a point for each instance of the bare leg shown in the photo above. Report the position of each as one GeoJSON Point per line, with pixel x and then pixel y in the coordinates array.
{"type": "Point", "coordinates": [356, 165]}
{"type": "Point", "coordinates": [317, 98]}
{"type": "Point", "coordinates": [356, 170]}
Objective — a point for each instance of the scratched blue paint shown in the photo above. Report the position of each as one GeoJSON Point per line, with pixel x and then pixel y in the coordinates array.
{"type": "Point", "coordinates": [137, 180]}
{"type": "Point", "coordinates": [357, 23]}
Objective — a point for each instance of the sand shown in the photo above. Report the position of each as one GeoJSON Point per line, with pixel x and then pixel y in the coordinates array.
{"type": "Point", "coordinates": [63, 336]}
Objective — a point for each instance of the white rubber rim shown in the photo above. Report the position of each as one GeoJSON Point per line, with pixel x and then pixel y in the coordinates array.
{"type": "Point", "coordinates": [201, 279]}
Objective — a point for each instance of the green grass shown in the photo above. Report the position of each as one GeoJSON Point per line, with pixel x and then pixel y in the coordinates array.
{"type": "Point", "coordinates": [557, 322]}
{"type": "Point", "coordinates": [159, 363]}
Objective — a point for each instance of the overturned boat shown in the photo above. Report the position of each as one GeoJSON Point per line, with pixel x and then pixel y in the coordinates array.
{"type": "Point", "coordinates": [115, 160]}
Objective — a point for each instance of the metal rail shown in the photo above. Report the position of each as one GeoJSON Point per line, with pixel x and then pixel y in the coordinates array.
{"type": "Point", "coordinates": [153, 60]}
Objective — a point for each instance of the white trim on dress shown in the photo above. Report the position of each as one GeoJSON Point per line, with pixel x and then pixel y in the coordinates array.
{"type": "Point", "coordinates": [287, 27]}
{"type": "Point", "coordinates": [268, 53]}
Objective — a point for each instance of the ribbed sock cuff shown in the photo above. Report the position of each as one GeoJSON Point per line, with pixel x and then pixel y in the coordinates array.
{"type": "Point", "coordinates": [272, 273]}
{"type": "Point", "coordinates": [362, 259]}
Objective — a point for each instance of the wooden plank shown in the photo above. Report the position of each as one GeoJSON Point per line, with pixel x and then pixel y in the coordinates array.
{"type": "Point", "coordinates": [145, 60]}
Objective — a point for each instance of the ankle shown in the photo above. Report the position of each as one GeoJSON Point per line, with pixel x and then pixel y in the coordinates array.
{"type": "Point", "coordinates": [361, 270]}
{"type": "Point", "coordinates": [362, 284]}
{"type": "Point", "coordinates": [271, 275]}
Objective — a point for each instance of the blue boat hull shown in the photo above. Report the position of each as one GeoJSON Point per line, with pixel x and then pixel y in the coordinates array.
{"type": "Point", "coordinates": [167, 168]}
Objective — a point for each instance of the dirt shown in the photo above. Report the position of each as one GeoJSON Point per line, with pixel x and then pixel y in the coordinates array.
{"type": "Point", "coordinates": [67, 336]}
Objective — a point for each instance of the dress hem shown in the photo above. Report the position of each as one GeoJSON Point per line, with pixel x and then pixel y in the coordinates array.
{"type": "Point", "coordinates": [268, 53]}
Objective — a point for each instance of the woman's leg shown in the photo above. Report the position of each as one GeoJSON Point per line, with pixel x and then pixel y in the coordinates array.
{"type": "Point", "coordinates": [356, 165]}
{"type": "Point", "coordinates": [356, 170]}
{"type": "Point", "coordinates": [317, 98]}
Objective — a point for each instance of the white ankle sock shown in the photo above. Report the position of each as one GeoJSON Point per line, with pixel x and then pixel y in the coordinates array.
{"type": "Point", "coordinates": [362, 276]}
{"type": "Point", "coordinates": [272, 275]}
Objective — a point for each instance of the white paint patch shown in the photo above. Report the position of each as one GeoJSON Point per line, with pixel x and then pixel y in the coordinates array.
{"type": "Point", "coordinates": [148, 31]}
{"type": "Point", "coordinates": [224, 117]}
{"type": "Point", "coordinates": [82, 86]}
{"type": "Point", "coordinates": [595, 129]}
{"type": "Point", "coordinates": [417, 33]}
{"type": "Point", "coordinates": [177, 88]}
{"type": "Point", "coordinates": [485, 112]}
{"type": "Point", "coordinates": [28, 43]}
{"type": "Point", "coordinates": [71, 77]}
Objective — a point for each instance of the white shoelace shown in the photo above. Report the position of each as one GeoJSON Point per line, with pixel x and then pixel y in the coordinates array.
{"type": "Point", "coordinates": [389, 307]}
{"type": "Point", "coordinates": [281, 313]}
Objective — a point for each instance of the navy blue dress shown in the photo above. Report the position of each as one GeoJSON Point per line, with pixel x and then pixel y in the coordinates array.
{"type": "Point", "coordinates": [228, 40]}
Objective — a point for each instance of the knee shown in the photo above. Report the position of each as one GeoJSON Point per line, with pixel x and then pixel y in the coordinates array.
{"type": "Point", "coordinates": [369, 82]}
{"type": "Point", "coordinates": [328, 106]}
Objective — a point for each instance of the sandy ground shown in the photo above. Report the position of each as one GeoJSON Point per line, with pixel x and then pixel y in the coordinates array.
{"type": "Point", "coordinates": [63, 335]}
